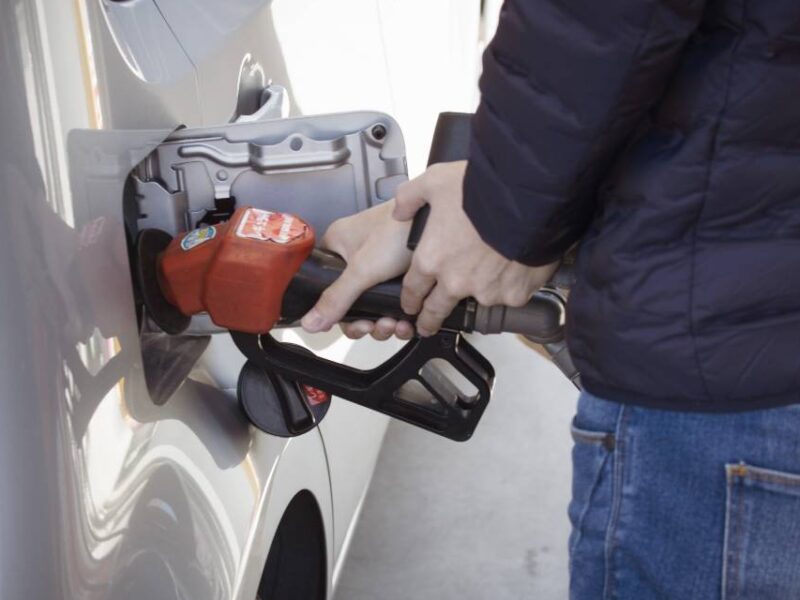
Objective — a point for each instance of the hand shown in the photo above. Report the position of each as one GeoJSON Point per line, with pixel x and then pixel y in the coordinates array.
{"type": "Point", "coordinates": [451, 261]}
{"type": "Point", "coordinates": [374, 246]}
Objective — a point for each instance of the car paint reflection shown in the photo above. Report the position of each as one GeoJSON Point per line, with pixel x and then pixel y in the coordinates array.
{"type": "Point", "coordinates": [109, 496]}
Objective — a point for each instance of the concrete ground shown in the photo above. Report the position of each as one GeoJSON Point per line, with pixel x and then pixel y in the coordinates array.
{"type": "Point", "coordinates": [484, 519]}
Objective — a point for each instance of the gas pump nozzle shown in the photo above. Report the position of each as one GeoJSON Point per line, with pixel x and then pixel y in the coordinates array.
{"type": "Point", "coordinates": [249, 283]}
{"type": "Point", "coordinates": [542, 319]}
{"type": "Point", "coordinates": [260, 270]}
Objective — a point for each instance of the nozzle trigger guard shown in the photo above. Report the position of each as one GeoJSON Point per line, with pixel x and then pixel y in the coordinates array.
{"type": "Point", "coordinates": [416, 385]}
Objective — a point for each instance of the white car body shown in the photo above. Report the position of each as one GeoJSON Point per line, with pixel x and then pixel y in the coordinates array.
{"type": "Point", "coordinates": [106, 494]}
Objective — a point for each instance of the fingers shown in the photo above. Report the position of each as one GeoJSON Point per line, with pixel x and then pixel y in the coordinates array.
{"type": "Point", "coordinates": [409, 199]}
{"type": "Point", "coordinates": [416, 286]}
{"type": "Point", "coordinates": [404, 330]}
{"type": "Point", "coordinates": [381, 330]}
{"type": "Point", "coordinates": [384, 328]}
{"type": "Point", "coordinates": [438, 180]}
{"type": "Point", "coordinates": [334, 301]}
{"type": "Point", "coordinates": [436, 308]}
{"type": "Point", "coordinates": [357, 329]}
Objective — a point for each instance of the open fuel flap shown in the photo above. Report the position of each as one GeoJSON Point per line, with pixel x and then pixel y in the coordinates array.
{"type": "Point", "coordinates": [320, 167]}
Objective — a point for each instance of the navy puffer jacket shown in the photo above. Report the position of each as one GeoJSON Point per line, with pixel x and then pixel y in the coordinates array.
{"type": "Point", "coordinates": [665, 135]}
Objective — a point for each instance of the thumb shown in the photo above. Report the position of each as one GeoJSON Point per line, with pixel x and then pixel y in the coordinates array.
{"type": "Point", "coordinates": [410, 197]}
{"type": "Point", "coordinates": [334, 302]}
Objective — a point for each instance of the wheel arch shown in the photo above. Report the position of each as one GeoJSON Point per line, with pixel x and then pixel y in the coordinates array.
{"type": "Point", "coordinates": [301, 471]}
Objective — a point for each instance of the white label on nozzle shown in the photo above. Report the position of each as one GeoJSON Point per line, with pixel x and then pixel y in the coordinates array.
{"type": "Point", "coordinates": [197, 237]}
{"type": "Point", "coordinates": [267, 226]}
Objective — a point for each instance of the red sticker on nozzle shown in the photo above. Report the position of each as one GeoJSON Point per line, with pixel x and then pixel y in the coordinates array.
{"type": "Point", "coordinates": [268, 226]}
{"type": "Point", "coordinates": [315, 395]}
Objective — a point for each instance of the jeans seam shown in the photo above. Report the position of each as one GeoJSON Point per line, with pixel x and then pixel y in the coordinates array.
{"type": "Point", "coordinates": [727, 534]}
{"type": "Point", "coordinates": [745, 472]}
{"type": "Point", "coordinates": [595, 484]}
{"type": "Point", "coordinates": [733, 543]}
{"type": "Point", "coordinates": [616, 501]}
{"type": "Point", "coordinates": [739, 535]}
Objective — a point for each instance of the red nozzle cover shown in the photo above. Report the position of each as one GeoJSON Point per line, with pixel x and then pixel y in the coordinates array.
{"type": "Point", "coordinates": [237, 271]}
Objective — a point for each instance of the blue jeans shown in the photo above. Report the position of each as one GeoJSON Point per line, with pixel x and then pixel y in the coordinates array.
{"type": "Point", "coordinates": [684, 506]}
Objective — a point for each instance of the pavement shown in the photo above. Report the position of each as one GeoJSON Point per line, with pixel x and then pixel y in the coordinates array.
{"type": "Point", "coordinates": [485, 519]}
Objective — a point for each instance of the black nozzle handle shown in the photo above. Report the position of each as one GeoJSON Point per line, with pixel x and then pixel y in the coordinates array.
{"type": "Point", "coordinates": [542, 318]}
{"type": "Point", "coordinates": [418, 226]}
{"type": "Point", "coordinates": [450, 143]}
{"type": "Point", "coordinates": [322, 268]}
{"type": "Point", "coordinates": [448, 412]}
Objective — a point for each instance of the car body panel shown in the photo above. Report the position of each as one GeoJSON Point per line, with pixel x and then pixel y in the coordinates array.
{"type": "Point", "coordinates": [106, 494]}
{"type": "Point", "coordinates": [123, 498]}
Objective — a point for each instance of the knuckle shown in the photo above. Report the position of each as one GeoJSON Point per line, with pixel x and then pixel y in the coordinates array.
{"type": "Point", "coordinates": [436, 308]}
{"type": "Point", "coordinates": [409, 307]}
{"type": "Point", "coordinates": [325, 301]}
{"type": "Point", "coordinates": [338, 246]}
{"type": "Point", "coordinates": [384, 329]}
{"type": "Point", "coordinates": [350, 332]}
{"type": "Point", "coordinates": [402, 194]}
{"type": "Point", "coordinates": [439, 176]}
{"type": "Point", "coordinates": [333, 236]}
{"type": "Point", "coordinates": [409, 292]}
{"type": "Point", "coordinates": [403, 330]}
{"type": "Point", "coordinates": [435, 173]}
{"type": "Point", "coordinates": [516, 298]}
{"type": "Point", "coordinates": [425, 265]}
{"type": "Point", "coordinates": [485, 297]}
{"type": "Point", "coordinates": [358, 271]}
{"type": "Point", "coordinates": [456, 286]}
{"type": "Point", "coordinates": [425, 321]}
{"type": "Point", "coordinates": [329, 302]}
{"type": "Point", "coordinates": [426, 270]}
{"type": "Point", "coordinates": [430, 327]}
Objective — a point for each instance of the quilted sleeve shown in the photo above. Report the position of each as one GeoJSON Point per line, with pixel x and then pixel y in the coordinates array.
{"type": "Point", "coordinates": [564, 85]}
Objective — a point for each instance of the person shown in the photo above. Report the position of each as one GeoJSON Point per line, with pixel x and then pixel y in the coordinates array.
{"type": "Point", "coordinates": [663, 136]}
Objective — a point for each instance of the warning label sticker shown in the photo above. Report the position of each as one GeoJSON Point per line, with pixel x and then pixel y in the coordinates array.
{"type": "Point", "coordinates": [315, 395]}
{"type": "Point", "coordinates": [197, 237]}
{"type": "Point", "coordinates": [270, 226]}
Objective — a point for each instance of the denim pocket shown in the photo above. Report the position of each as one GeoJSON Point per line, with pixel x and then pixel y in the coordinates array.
{"type": "Point", "coordinates": [762, 529]}
{"type": "Point", "coordinates": [585, 436]}
{"type": "Point", "coordinates": [590, 509]}
{"type": "Point", "coordinates": [591, 464]}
